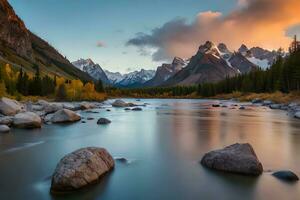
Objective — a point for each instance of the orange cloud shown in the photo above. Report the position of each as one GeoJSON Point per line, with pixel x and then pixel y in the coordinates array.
{"type": "Point", "coordinates": [254, 23]}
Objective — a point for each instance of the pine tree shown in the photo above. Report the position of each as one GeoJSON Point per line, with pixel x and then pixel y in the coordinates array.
{"type": "Point", "coordinates": [99, 86]}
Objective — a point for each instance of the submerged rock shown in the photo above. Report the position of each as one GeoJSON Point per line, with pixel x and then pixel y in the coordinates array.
{"type": "Point", "coordinates": [103, 121]}
{"type": "Point", "coordinates": [127, 109]}
{"type": "Point", "coordinates": [242, 108]}
{"type": "Point", "coordinates": [286, 176]}
{"type": "Point", "coordinates": [4, 129]}
{"type": "Point", "coordinates": [64, 116]}
{"type": "Point", "coordinates": [27, 120]}
{"type": "Point", "coordinates": [236, 158]}
{"type": "Point", "coordinates": [9, 106]}
{"type": "Point", "coordinates": [81, 168]}
{"type": "Point", "coordinates": [267, 103]}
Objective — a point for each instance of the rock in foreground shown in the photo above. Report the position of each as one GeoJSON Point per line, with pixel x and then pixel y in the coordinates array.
{"type": "Point", "coordinates": [81, 168]}
{"type": "Point", "coordinates": [65, 116]}
{"type": "Point", "coordinates": [27, 120]}
{"type": "Point", "coordinates": [286, 176]}
{"type": "Point", "coordinates": [237, 158]}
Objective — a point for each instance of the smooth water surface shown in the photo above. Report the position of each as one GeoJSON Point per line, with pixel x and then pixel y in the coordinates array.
{"type": "Point", "coordinates": [164, 144]}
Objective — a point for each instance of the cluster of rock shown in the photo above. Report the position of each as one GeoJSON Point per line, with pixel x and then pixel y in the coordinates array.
{"type": "Point", "coordinates": [240, 159]}
{"type": "Point", "coordinates": [293, 109]}
{"type": "Point", "coordinates": [32, 115]}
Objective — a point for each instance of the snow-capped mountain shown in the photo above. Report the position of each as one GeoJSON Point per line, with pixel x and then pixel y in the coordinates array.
{"type": "Point", "coordinates": [136, 78]}
{"type": "Point", "coordinates": [94, 70]}
{"type": "Point", "coordinates": [259, 56]}
{"type": "Point", "coordinates": [165, 71]}
{"type": "Point", "coordinates": [114, 77]}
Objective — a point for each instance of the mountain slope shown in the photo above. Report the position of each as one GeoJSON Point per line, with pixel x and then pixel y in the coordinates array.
{"type": "Point", "coordinates": [23, 48]}
{"type": "Point", "coordinates": [94, 70]}
{"type": "Point", "coordinates": [114, 77]}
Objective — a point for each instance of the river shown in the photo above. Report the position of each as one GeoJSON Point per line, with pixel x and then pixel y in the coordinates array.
{"type": "Point", "coordinates": [163, 144]}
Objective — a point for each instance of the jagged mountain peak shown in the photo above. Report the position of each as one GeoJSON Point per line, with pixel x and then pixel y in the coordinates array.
{"type": "Point", "coordinates": [94, 70]}
{"type": "Point", "coordinates": [223, 48]}
{"type": "Point", "coordinates": [243, 49]}
{"type": "Point", "coordinates": [209, 48]}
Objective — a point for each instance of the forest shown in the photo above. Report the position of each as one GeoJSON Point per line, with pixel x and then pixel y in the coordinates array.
{"type": "Point", "coordinates": [19, 84]}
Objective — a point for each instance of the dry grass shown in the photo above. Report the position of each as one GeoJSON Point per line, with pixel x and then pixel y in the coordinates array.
{"type": "Point", "coordinates": [277, 97]}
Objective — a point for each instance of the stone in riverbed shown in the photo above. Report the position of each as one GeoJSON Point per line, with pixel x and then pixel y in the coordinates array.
{"type": "Point", "coordinates": [297, 115]}
{"type": "Point", "coordinates": [81, 168]}
{"type": "Point", "coordinates": [275, 106]}
{"type": "Point", "coordinates": [103, 121]}
{"type": "Point", "coordinates": [119, 103]}
{"type": "Point", "coordinates": [10, 107]}
{"type": "Point", "coordinates": [286, 176]}
{"type": "Point", "coordinates": [137, 109]}
{"type": "Point", "coordinates": [6, 120]}
{"type": "Point", "coordinates": [65, 116]}
{"type": "Point", "coordinates": [4, 129]}
{"type": "Point", "coordinates": [216, 105]}
{"type": "Point", "coordinates": [27, 120]}
{"type": "Point", "coordinates": [257, 100]}
{"type": "Point", "coordinates": [236, 158]}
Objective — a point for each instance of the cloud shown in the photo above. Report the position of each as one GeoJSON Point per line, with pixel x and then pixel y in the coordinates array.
{"type": "Point", "coordinates": [100, 44]}
{"type": "Point", "coordinates": [254, 22]}
{"type": "Point", "coordinates": [294, 30]}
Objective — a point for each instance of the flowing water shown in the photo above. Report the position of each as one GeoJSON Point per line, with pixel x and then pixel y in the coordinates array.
{"type": "Point", "coordinates": [164, 144]}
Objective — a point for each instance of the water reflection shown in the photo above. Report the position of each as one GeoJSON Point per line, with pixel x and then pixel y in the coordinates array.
{"type": "Point", "coordinates": [166, 141]}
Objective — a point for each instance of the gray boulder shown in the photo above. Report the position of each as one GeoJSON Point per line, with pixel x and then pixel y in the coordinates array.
{"type": "Point", "coordinates": [27, 120]}
{"type": "Point", "coordinates": [65, 116]}
{"type": "Point", "coordinates": [10, 107]}
{"type": "Point", "coordinates": [267, 103]}
{"type": "Point", "coordinates": [4, 129]}
{"type": "Point", "coordinates": [103, 121]}
{"type": "Point", "coordinates": [119, 103]}
{"type": "Point", "coordinates": [275, 106]}
{"type": "Point", "coordinates": [81, 168]}
{"type": "Point", "coordinates": [286, 176]}
{"type": "Point", "coordinates": [71, 106]}
{"type": "Point", "coordinates": [297, 115]}
{"type": "Point", "coordinates": [257, 100]}
{"type": "Point", "coordinates": [237, 158]}
{"type": "Point", "coordinates": [6, 120]}
{"type": "Point", "coordinates": [52, 107]}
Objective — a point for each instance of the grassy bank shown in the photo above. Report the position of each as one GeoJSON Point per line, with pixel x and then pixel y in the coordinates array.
{"type": "Point", "coordinates": [277, 97]}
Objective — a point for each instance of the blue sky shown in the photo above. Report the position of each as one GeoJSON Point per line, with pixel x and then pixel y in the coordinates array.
{"type": "Point", "coordinates": [74, 27]}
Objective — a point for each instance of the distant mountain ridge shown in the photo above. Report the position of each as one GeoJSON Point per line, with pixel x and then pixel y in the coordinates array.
{"type": "Point", "coordinates": [94, 70]}
{"type": "Point", "coordinates": [23, 48]}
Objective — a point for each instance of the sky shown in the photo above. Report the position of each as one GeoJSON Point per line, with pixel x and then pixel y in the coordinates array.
{"type": "Point", "coordinates": [127, 35]}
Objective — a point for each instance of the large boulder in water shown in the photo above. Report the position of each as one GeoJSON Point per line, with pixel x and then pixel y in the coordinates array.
{"type": "Point", "coordinates": [9, 106]}
{"type": "Point", "coordinates": [64, 116]}
{"type": "Point", "coordinates": [237, 158]}
{"type": "Point", "coordinates": [81, 168]}
{"type": "Point", "coordinates": [27, 120]}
